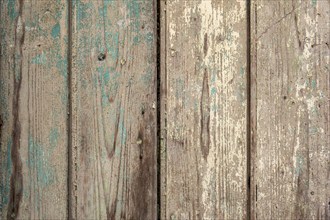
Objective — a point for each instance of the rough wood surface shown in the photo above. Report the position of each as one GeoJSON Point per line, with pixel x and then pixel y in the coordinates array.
{"type": "Point", "coordinates": [114, 110]}
{"type": "Point", "coordinates": [33, 109]}
{"type": "Point", "coordinates": [291, 92]}
{"type": "Point", "coordinates": [203, 94]}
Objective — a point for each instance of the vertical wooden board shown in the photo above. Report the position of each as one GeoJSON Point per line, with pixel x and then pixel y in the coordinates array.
{"type": "Point", "coordinates": [33, 109]}
{"type": "Point", "coordinates": [291, 91]}
{"type": "Point", "coordinates": [203, 94]}
{"type": "Point", "coordinates": [114, 109]}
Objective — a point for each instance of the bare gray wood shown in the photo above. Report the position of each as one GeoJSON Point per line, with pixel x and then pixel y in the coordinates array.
{"type": "Point", "coordinates": [33, 109]}
{"type": "Point", "coordinates": [203, 109]}
{"type": "Point", "coordinates": [114, 113]}
{"type": "Point", "coordinates": [290, 109]}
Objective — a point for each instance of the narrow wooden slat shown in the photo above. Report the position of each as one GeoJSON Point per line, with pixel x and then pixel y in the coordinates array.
{"type": "Point", "coordinates": [203, 94]}
{"type": "Point", "coordinates": [114, 109]}
{"type": "Point", "coordinates": [33, 109]}
{"type": "Point", "coordinates": [291, 91]}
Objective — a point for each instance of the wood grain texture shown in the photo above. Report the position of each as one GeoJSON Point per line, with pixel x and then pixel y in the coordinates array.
{"type": "Point", "coordinates": [203, 92]}
{"type": "Point", "coordinates": [291, 93]}
{"type": "Point", "coordinates": [114, 109]}
{"type": "Point", "coordinates": [33, 109]}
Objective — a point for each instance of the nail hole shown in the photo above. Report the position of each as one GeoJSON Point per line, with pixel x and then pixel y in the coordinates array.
{"type": "Point", "coordinates": [101, 57]}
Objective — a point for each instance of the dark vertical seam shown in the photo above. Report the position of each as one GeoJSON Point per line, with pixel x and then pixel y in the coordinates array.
{"type": "Point", "coordinates": [158, 48]}
{"type": "Point", "coordinates": [69, 118]}
{"type": "Point", "coordinates": [248, 115]}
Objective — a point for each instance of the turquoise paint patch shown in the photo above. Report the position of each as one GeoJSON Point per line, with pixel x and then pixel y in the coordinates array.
{"type": "Point", "coordinates": [147, 77]}
{"type": "Point", "coordinates": [53, 137]}
{"type": "Point", "coordinates": [213, 91]}
{"type": "Point", "coordinates": [83, 12]}
{"type": "Point", "coordinates": [11, 9]}
{"type": "Point", "coordinates": [18, 58]}
{"type": "Point", "coordinates": [62, 66]}
{"type": "Point", "coordinates": [56, 30]}
{"type": "Point", "coordinates": [299, 164]}
{"type": "Point", "coordinates": [39, 59]}
{"type": "Point", "coordinates": [39, 162]}
{"type": "Point", "coordinates": [106, 77]}
{"type": "Point", "coordinates": [314, 2]}
{"type": "Point", "coordinates": [7, 168]}
{"type": "Point", "coordinates": [122, 128]}
{"type": "Point", "coordinates": [136, 40]}
{"type": "Point", "coordinates": [242, 71]}
{"type": "Point", "coordinates": [313, 84]}
{"type": "Point", "coordinates": [3, 102]}
{"type": "Point", "coordinates": [112, 44]}
{"type": "Point", "coordinates": [313, 130]}
{"type": "Point", "coordinates": [149, 37]}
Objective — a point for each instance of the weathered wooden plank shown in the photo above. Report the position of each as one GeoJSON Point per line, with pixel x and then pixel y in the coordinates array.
{"type": "Point", "coordinates": [114, 109]}
{"type": "Point", "coordinates": [291, 91]}
{"type": "Point", "coordinates": [204, 104]}
{"type": "Point", "coordinates": [33, 109]}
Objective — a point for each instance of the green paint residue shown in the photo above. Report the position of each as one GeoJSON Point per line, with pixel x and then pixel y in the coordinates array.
{"type": "Point", "coordinates": [53, 137]}
{"type": "Point", "coordinates": [106, 76]}
{"type": "Point", "coordinates": [83, 11]}
{"type": "Point", "coordinates": [56, 30]}
{"type": "Point", "coordinates": [18, 71]}
{"type": "Point", "coordinates": [39, 162]}
{"type": "Point", "coordinates": [313, 84]}
{"type": "Point", "coordinates": [147, 77]}
{"type": "Point", "coordinates": [62, 66]}
{"type": "Point", "coordinates": [242, 71]}
{"type": "Point", "coordinates": [213, 91]}
{"type": "Point", "coordinates": [134, 12]}
{"type": "Point", "coordinates": [6, 166]}
{"type": "Point", "coordinates": [112, 44]}
{"type": "Point", "coordinates": [299, 164]}
{"type": "Point", "coordinates": [3, 101]}
{"type": "Point", "coordinates": [136, 40]}
{"type": "Point", "coordinates": [314, 2]}
{"type": "Point", "coordinates": [11, 9]}
{"type": "Point", "coordinates": [149, 37]}
{"type": "Point", "coordinates": [39, 59]}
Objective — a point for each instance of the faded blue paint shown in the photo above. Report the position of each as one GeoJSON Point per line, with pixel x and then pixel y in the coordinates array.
{"type": "Point", "coordinates": [53, 137]}
{"type": "Point", "coordinates": [112, 44]}
{"type": "Point", "coordinates": [3, 101]}
{"type": "Point", "coordinates": [39, 59]}
{"type": "Point", "coordinates": [7, 168]}
{"type": "Point", "coordinates": [122, 131]}
{"type": "Point", "coordinates": [83, 11]}
{"type": "Point", "coordinates": [299, 164]}
{"type": "Point", "coordinates": [122, 128]}
{"type": "Point", "coordinates": [147, 77]}
{"type": "Point", "coordinates": [213, 91]}
{"type": "Point", "coordinates": [62, 66]}
{"type": "Point", "coordinates": [313, 84]}
{"type": "Point", "coordinates": [136, 40]}
{"type": "Point", "coordinates": [56, 30]}
{"type": "Point", "coordinates": [18, 58]}
{"type": "Point", "coordinates": [314, 2]}
{"type": "Point", "coordinates": [106, 77]}
{"type": "Point", "coordinates": [11, 9]}
{"type": "Point", "coordinates": [39, 162]}
{"type": "Point", "coordinates": [242, 71]}
{"type": "Point", "coordinates": [149, 37]}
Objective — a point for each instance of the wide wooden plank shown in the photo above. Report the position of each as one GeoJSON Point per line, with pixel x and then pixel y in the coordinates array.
{"type": "Point", "coordinates": [203, 92]}
{"type": "Point", "coordinates": [33, 109]}
{"type": "Point", "coordinates": [290, 109]}
{"type": "Point", "coordinates": [114, 111]}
